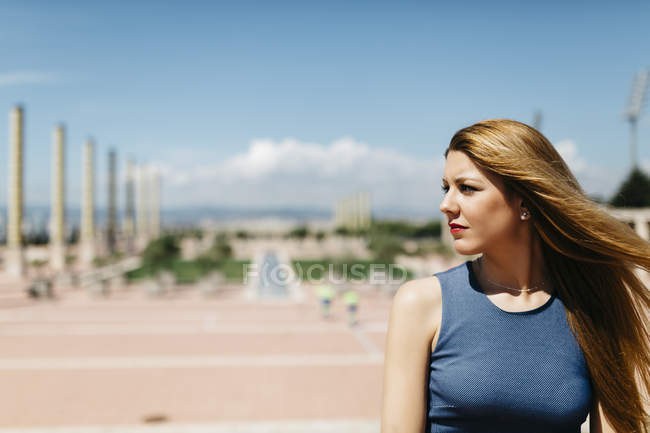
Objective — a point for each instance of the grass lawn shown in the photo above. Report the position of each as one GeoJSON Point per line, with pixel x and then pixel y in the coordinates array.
{"type": "Point", "coordinates": [191, 271]}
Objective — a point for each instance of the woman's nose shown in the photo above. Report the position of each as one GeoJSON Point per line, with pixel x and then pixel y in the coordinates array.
{"type": "Point", "coordinates": [448, 205]}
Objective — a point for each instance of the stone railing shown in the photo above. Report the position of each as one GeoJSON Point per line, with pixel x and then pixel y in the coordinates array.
{"type": "Point", "coordinates": [638, 218]}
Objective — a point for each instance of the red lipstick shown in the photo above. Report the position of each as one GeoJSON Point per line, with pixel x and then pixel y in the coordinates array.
{"type": "Point", "coordinates": [455, 228]}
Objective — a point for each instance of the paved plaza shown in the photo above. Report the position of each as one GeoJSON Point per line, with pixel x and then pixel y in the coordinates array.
{"type": "Point", "coordinates": [186, 363]}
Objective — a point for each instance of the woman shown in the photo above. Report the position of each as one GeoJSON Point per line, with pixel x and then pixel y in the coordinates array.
{"type": "Point", "coordinates": [548, 325]}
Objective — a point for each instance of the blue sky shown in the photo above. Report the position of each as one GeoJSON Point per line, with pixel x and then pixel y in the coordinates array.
{"type": "Point", "coordinates": [298, 103]}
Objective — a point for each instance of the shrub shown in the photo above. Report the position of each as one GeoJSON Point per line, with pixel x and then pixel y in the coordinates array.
{"type": "Point", "coordinates": [161, 253]}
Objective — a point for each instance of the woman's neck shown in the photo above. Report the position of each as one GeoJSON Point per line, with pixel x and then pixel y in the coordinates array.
{"type": "Point", "coordinates": [519, 266]}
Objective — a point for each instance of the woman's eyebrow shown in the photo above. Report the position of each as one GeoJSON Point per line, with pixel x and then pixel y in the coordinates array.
{"type": "Point", "coordinates": [462, 179]}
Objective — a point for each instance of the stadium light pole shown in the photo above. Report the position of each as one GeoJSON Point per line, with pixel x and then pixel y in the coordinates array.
{"type": "Point", "coordinates": [537, 119]}
{"type": "Point", "coordinates": [634, 109]}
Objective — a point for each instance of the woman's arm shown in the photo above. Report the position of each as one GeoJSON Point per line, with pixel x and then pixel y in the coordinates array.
{"type": "Point", "coordinates": [408, 346]}
{"type": "Point", "coordinates": [597, 421]}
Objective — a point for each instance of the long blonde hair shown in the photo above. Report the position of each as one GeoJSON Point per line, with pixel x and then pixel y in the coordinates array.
{"type": "Point", "coordinates": [590, 257]}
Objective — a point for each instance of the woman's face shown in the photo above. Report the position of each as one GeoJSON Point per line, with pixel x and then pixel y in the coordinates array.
{"type": "Point", "coordinates": [477, 201]}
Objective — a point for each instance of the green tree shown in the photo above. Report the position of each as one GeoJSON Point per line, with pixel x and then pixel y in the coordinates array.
{"type": "Point", "coordinates": [405, 229]}
{"type": "Point", "coordinates": [242, 234]}
{"type": "Point", "coordinates": [634, 192]}
{"type": "Point", "coordinates": [161, 253]}
{"type": "Point", "coordinates": [385, 248]}
{"type": "Point", "coordinates": [430, 229]}
{"type": "Point", "coordinates": [220, 249]}
{"type": "Point", "coordinates": [393, 228]}
{"type": "Point", "coordinates": [342, 231]}
{"type": "Point", "coordinates": [300, 232]}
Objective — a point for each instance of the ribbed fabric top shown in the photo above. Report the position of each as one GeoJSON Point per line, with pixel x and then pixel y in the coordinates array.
{"type": "Point", "coordinates": [499, 371]}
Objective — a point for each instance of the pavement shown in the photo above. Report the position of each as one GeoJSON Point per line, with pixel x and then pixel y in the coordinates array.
{"type": "Point", "coordinates": [184, 362]}
{"type": "Point", "coordinates": [187, 363]}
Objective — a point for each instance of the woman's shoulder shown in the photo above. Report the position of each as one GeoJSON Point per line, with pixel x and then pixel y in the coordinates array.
{"type": "Point", "coordinates": [428, 289]}
{"type": "Point", "coordinates": [418, 291]}
{"type": "Point", "coordinates": [419, 300]}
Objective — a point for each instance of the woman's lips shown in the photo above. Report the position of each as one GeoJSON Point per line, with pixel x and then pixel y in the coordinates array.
{"type": "Point", "coordinates": [455, 228]}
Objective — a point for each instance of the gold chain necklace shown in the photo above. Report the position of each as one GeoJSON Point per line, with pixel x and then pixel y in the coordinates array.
{"type": "Point", "coordinates": [480, 268]}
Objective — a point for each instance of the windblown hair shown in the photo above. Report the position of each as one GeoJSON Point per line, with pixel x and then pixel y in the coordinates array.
{"type": "Point", "coordinates": [591, 259]}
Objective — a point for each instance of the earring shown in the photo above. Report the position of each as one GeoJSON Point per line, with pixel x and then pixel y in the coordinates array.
{"type": "Point", "coordinates": [524, 215]}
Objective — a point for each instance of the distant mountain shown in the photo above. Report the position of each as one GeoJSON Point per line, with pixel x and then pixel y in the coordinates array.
{"type": "Point", "coordinates": [37, 216]}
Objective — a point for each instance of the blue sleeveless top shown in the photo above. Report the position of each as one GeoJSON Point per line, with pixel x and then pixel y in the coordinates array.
{"type": "Point", "coordinates": [498, 371]}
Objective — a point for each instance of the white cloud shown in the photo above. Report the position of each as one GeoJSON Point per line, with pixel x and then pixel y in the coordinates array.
{"type": "Point", "coordinates": [295, 173]}
{"type": "Point", "coordinates": [593, 178]}
{"type": "Point", "coordinates": [25, 77]}
{"type": "Point", "coordinates": [568, 149]}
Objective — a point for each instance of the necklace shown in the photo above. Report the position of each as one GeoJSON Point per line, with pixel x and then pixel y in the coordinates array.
{"type": "Point", "coordinates": [480, 268]}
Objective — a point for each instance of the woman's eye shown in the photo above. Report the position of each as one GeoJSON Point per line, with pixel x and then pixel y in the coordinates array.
{"type": "Point", "coordinates": [462, 188]}
{"type": "Point", "coordinates": [467, 188]}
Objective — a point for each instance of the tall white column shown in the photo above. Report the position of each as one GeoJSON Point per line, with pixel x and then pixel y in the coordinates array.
{"type": "Point", "coordinates": [349, 213]}
{"type": "Point", "coordinates": [87, 241]}
{"type": "Point", "coordinates": [15, 264]}
{"type": "Point", "coordinates": [142, 228]}
{"type": "Point", "coordinates": [362, 211]}
{"type": "Point", "coordinates": [154, 203]}
{"type": "Point", "coordinates": [111, 221]}
{"type": "Point", "coordinates": [57, 218]}
{"type": "Point", "coordinates": [368, 210]}
{"type": "Point", "coordinates": [129, 217]}
{"type": "Point", "coordinates": [641, 227]}
{"type": "Point", "coordinates": [337, 214]}
{"type": "Point", "coordinates": [356, 200]}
